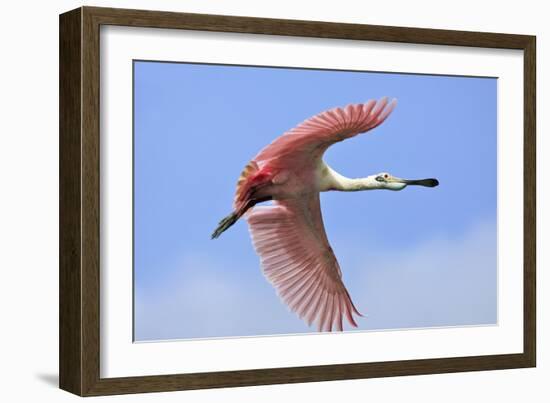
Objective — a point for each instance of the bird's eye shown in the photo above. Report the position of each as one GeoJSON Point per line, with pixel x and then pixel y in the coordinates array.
{"type": "Point", "coordinates": [385, 176]}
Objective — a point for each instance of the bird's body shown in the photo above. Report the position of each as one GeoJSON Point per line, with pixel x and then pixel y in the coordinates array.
{"type": "Point", "coordinates": [289, 235]}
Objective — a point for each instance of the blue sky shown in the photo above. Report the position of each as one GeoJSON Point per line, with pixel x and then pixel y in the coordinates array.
{"type": "Point", "coordinates": [417, 258]}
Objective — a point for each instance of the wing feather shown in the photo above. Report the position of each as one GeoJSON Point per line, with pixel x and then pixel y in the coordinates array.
{"type": "Point", "coordinates": [297, 259]}
{"type": "Point", "coordinates": [313, 136]}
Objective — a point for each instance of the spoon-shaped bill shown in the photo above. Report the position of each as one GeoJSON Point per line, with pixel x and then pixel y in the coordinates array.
{"type": "Point", "coordinates": [430, 182]}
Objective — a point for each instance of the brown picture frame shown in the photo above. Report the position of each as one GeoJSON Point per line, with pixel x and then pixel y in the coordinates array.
{"type": "Point", "coordinates": [79, 347]}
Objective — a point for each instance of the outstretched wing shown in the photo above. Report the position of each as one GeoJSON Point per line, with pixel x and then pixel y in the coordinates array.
{"type": "Point", "coordinates": [307, 142]}
{"type": "Point", "coordinates": [302, 147]}
{"type": "Point", "coordinates": [297, 259]}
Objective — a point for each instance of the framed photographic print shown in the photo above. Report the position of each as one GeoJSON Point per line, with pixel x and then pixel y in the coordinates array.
{"type": "Point", "coordinates": [249, 201]}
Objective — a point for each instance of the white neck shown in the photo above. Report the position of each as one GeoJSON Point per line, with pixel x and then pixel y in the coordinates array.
{"type": "Point", "coordinates": [332, 180]}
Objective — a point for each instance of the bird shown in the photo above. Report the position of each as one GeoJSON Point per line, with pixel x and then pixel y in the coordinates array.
{"type": "Point", "coordinates": [288, 233]}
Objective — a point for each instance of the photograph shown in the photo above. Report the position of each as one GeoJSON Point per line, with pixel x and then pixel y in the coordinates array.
{"type": "Point", "coordinates": [273, 201]}
{"type": "Point", "coordinates": [250, 200]}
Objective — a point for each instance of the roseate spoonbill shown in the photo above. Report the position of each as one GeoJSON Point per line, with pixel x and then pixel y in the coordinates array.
{"type": "Point", "coordinates": [289, 235]}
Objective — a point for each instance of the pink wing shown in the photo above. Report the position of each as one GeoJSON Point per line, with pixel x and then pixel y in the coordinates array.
{"type": "Point", "coordinates": [310, 139]}
{"type": "Point", "coordinates": [297, 259]}
{"type": "Point", "coordinates": [301, 147]}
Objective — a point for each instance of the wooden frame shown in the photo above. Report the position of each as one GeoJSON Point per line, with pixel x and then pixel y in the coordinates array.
{"type": "Point", "coordinates": [79, 201]}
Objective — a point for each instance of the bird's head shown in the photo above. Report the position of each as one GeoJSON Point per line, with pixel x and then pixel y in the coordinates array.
{"type": "Point", "coordinates": [386, 181]}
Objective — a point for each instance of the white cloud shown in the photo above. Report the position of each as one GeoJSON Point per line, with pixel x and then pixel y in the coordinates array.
{"type": "Point", "coordinates": [207, 298]}
{"type": "Point", "coordinates": [441, 282]}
